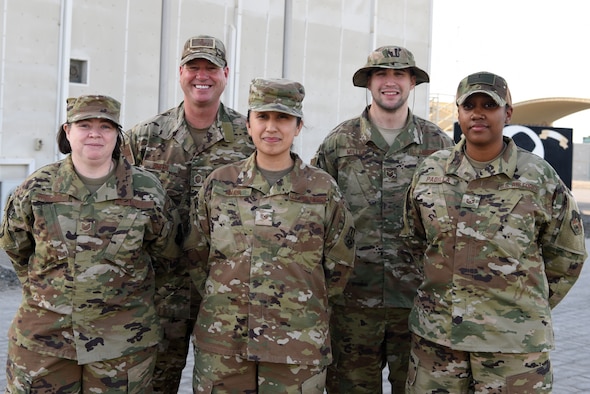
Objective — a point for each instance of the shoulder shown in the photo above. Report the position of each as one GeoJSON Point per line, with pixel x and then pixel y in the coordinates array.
{"type": "Point", "coordinates": [346, 134]}
{"type": "Point", "coordinates": [431, 130]}
{"type": "Point", "coordinates": [534, 166]}
{"type": "Point", "coordinates": [145, 182]}
{"type": "Point", "coordinates": [232, 113]}
{"type": "Point", "coordinates": [228, 114]}
{"type": "Point", "coordinates": [160, 124]}
{"type": "Point", "coordinates": [347, 128]}
{"type": "Point", "coordinates": [437, 159]}
{"type": "Point", "coordinates": [317, 179]}
{"type": "Point", "coordinates": [227, 172]}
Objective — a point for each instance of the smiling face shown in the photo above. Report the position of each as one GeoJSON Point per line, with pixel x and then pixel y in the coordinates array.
{"type": "Point", "coordinates": [482, 122]}
{"type": "Point", "coordinates": [391, 88]}
{"type": "Point", "coordinates": [203, 82]}
{"type": "Point", "coordinates": [92, 140]}
{"type": "Point", "coordinates": [273, 133]}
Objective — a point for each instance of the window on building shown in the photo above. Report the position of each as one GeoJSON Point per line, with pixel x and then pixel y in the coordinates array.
{"type": "Point", "coordinates": [78, 71]}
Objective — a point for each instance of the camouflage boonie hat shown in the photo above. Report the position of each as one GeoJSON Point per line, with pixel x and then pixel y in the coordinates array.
{"type": "Point", "coordinates": [393, 57]}
{"type": "Point", "coordinates": [204, 47]}
{"type": "Point", "coordinates": [281, 95]}
{"type": "Point", "coordinates": [484, 82]}
{"type": "Point", "coordinates": [93, 106]}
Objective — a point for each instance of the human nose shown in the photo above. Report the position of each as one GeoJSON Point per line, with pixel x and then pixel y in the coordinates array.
{"type": "Point", "coordinates": [94, 132]}
{"type": "Point", "coordinates": [201, 73]}
{"type": "Point", "coordinates": [271, 125]}
{"type": "Point", "coordinates": [477, 113]}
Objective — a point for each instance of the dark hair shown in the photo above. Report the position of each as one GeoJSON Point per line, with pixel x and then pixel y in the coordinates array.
{"type": "Point", "coordinates": [64, 145]}
{"type": "Point", "coordinates": [248, 118]}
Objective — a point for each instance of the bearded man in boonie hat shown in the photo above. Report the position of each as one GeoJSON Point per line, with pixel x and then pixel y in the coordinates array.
{"type": "Point", "coordinates": [373, 157]}
{"type": "Point", "coordinates": [287, 232]}
{"type": "Point", "coordinates": [393, 57]}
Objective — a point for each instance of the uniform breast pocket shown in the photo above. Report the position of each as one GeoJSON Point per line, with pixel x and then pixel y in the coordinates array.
{"type": "Point", "coordinates": [56, 226]}
{"type": "Point", "coordinates": [228, 226]}
{"type": "Point", "coordinates": [514, 224]}
{"type": "Point", "coordinates": [122, 233]}
{"type": "Point", "coordinates": [355, 183]}
{"type": "Point", "coordinates": [300, 236]}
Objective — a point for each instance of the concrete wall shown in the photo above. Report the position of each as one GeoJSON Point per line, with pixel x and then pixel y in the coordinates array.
{"type": "Point", "coordinates": [581, 163]}
{"type": "Point", "coordinates": [132, 50]}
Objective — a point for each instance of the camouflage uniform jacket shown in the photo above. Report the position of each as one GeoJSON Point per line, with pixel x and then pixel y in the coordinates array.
{"type": "Point", "coordinates": [499, 248]}
{"type": "Point", "coordinates": [84, 261]}
{"type": "Point", "coordinates": [374, 178]}
{"type": "Point", "coordinates": [271, 258]}
{"type": "Point", "coordinates": [163, 145]}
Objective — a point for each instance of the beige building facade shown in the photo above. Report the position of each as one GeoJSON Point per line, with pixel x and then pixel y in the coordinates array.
{"type": "Point", "coordinates": [130, 50]}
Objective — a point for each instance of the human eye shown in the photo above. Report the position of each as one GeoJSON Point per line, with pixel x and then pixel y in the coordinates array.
{"type": "Point", "coordinates": [467, 106]}
{"type": "Point", "coordinates": [491, 105]}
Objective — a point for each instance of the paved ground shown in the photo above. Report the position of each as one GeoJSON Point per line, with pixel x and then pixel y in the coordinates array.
{"type": "Point", "coordinates": [571, 322]}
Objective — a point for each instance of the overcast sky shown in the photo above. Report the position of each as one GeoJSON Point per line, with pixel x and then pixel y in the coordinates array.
{"type": "Point", "coordinates": [539, 46]}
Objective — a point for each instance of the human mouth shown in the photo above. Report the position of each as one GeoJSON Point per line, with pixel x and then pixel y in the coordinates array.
{"type": "Point", "coordinates": [202, 86]}
{"type": "Point", "coordinates": [478, 126]}
{"type": "Point", "coordinates": [390, 93]}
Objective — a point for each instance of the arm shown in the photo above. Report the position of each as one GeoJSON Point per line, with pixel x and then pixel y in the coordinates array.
{"type": "Point", "coordinates": [321, 160]}
{"type": "Point", "coordinates": [15, 235]}
{"type": "Point", "coordinates": [197, 241]}
{"type": "Point", "coordinates": [413, 232]}
{"type": "Point", "coordinates": [339, 244]}
{"type": "Point", "coordinates": [563, 245]}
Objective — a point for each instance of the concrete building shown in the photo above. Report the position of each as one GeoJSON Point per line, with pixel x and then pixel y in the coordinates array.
{"type": "Point", "coordinates": [130, 50]}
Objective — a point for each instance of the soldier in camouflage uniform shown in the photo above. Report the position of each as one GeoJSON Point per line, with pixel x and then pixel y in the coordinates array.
{"type": "Point", "coordinates": [273, 246]}
{"type": "Point", "coordinates": [81, 234]}
{"type": "Point", "coordinates": [499, 238]}
{"type": "Point", "coordinates": [373, 158]}
{"type": "Point", "coordinates": [181, 147]}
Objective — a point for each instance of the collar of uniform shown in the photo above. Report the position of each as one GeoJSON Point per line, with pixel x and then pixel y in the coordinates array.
{"type": "Point", "coordinates": [69, 183]}
{"type": "Point", "coordinates": [459, 164]}
{"type": "Point", "coordinates": [295, 181]}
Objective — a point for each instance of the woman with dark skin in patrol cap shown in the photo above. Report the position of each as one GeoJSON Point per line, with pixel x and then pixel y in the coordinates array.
{"type": "Point", "coordinates": [500, 241]}
{"type": "Point", "coordinates": [80, 233]}
{"type": "Point", "coordinates": [272, 244]}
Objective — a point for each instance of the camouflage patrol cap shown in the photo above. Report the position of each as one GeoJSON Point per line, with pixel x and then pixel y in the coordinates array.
{"type": "Point", "coordinates": [93, 106]}
{"type": "Point", "coordinates": [393, 57]}
{"type": "Point", "coordinates": [204, 47]}
{"type": "Point", "coordinates": [484, 82]}
{"type": "Point", "coordinates": [281, 95]}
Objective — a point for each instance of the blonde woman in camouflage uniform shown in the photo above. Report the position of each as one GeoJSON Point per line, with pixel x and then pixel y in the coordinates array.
{"type": "Point", "coordinates": [273, 245]}
{"type": "Point", "coordinates": [373, 158]}
{"type": "Point", "coordinates": [181, 147]}
{"type": "Point", "coordinates": [499, 238]}
{"type": "Point", "coordinates": [81, 234]}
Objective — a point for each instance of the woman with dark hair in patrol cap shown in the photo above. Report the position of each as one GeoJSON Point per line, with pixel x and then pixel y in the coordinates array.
{"type": "Point", "coordinates": [81, 233]}
{"type": "Point", "coordinates": [500, 241]}
{"type": "Point", "coordinates": [272, 244]}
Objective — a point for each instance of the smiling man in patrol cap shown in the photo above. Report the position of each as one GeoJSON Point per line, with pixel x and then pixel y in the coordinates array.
{"type": "Point", "coordinates": [182, 146]}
